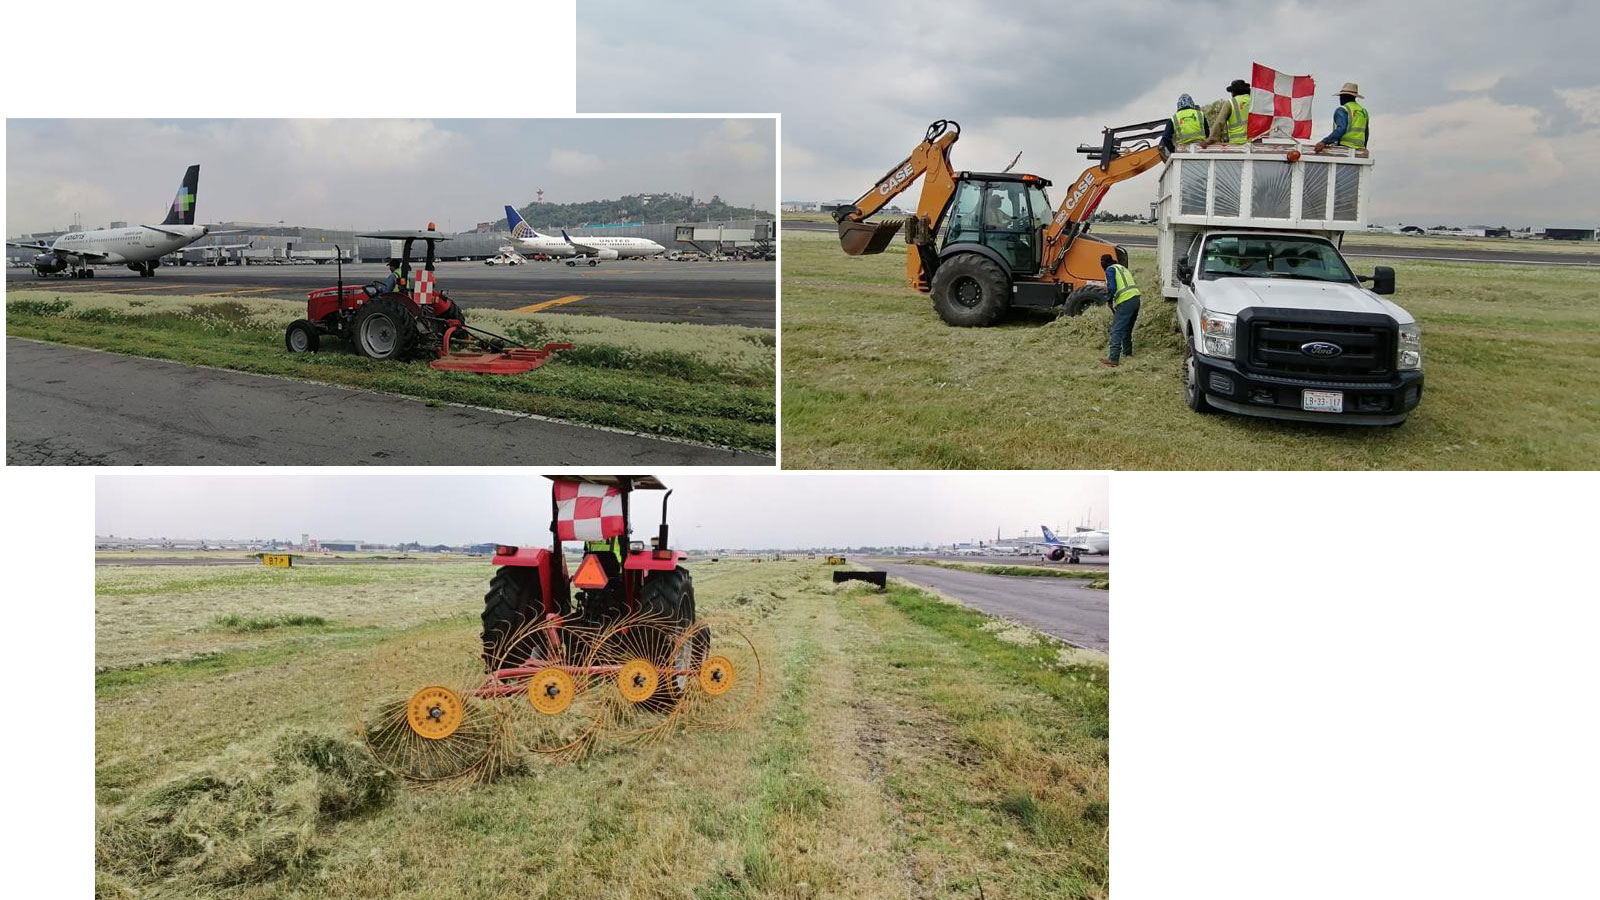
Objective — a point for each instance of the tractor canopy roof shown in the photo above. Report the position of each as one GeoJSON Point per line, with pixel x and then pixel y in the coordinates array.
{"type": "Point", "coordinates": [626, 482]}
{"type": "Point", "coordinates": [406, 236]}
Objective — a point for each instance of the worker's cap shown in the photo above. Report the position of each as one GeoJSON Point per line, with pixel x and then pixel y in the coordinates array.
{"type": "Point", "coordinates": [1350, 87]}
{"type": "Point", "coordinates": [1238, 85]}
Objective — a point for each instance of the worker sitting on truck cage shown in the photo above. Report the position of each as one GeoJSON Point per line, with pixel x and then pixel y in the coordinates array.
{"type": "Point", "coordinates": [1124, 296]}
{"type": "Point", "coordinates": [1187, 125]}
{"type": "Point", "coordinates": [1349, 121]}
{"type": "Point", "coordinates": [1225, 119]}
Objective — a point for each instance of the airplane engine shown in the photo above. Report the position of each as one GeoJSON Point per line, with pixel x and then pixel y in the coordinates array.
{"type": "Point", "coordinates": [48, 264]}
{"type": "Point", "coordinates": [607, 254]}
{"type": "Point", "coordinates": [1056, 554]}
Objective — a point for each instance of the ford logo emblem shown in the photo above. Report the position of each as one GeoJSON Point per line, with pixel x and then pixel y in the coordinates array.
{"type": "Point", "coordinates": [1322, 349]}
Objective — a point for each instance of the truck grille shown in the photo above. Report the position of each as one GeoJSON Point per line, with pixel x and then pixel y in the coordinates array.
{"type": "Point", "coordinates": [1367, 349]}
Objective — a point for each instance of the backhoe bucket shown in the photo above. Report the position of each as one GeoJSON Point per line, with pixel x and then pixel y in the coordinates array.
{"type": "Point", "coordinates": [866, 238]}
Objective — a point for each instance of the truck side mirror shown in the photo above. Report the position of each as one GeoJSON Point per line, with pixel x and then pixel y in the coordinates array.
{"type": "Point", "coordinates": [1382, 280]}
{"type": "Point", "coordinates": [1185, 272]}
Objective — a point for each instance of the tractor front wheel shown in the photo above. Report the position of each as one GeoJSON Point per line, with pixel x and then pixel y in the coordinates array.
{"type": "Point", "coordinates": [301, 337]}
{"type": "Point", "coordinates": [384, 329]}
{"type": "Point", "coordinates": [970, 290]}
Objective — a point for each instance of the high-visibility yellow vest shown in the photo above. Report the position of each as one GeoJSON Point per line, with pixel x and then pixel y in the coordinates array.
{"type": "Point", "coordinates": [1355, 129]}
{"type": "Point", "coordinates": [612, 546]}
{"type": "Point", "coordinates": [1239, 119]}
{"type": "Point", "coordinates": [1126, 289]}
{"type": "Point", "coordinates": [1188, 126]}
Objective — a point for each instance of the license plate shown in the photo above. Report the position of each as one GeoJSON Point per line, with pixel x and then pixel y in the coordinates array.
{"type": "Point", "coordinates": [1322, 401]}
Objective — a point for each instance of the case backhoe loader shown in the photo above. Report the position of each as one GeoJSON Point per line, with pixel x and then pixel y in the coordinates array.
{"type": "Point", "coordinates": [982, 242]}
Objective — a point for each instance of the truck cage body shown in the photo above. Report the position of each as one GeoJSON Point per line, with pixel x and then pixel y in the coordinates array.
{"type": "Point", "coordinates": [1256, 186]}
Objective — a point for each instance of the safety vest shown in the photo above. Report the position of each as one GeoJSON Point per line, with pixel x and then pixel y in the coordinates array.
{"type": "Point", "coordinates": [1188, 124]}
{"type": "Point", "coordinates": [612, 546]}
{"type": "Point", "coordinates": [1126, 289]}
{"type": "Point", "coordinates": [1239, 119]}
{"type": "Point", "coordinates": [1355, 129]}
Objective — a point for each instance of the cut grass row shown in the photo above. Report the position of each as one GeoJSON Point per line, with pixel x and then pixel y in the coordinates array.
{"type": "Point", "coordinates": [873, 379]}
{"type": "Point", "coordinates": [867, 771]}
{"type": "Point", "coordinates": [710, 384]}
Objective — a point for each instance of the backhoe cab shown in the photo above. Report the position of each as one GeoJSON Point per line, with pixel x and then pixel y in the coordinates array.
{"type": "Point", "coordinates": [983, 242]}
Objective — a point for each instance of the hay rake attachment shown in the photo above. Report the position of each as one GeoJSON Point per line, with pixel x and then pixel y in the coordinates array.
{"type": "Point", "coordinates": [625, 659]}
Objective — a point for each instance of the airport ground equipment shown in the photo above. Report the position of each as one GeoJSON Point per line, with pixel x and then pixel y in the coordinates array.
{"type": "Point", "coordinates": [614, 648]}
{"type": "Point", "coordinates": [984, 242]}
{"type": "Point", "coordinates": [415, 318]}
{"type": "Point", "coordinates": [1275, 321]}
{"type": "Point", "coordinates": [836, 560]}
{"type": "Point", "coordinates": [877, 577]}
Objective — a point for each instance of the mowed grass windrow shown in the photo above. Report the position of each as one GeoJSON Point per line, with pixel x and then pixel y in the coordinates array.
{"type": "Point", "coordinates": [712, 384]}
{"type": "Point", "coordinates": [904, 747]}
{"type": "Point", "coordinates": [873, 379]}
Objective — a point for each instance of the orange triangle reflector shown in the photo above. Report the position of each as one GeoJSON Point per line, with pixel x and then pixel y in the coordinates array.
{"type": "Point", "coordinates": [590, 577]}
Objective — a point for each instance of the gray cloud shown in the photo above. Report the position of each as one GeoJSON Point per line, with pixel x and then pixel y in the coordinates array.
{"type": "Point", "coordinates": [1472, 102]}
{"type": "Point", "coordinates": [709, 509]}
{"type": "Point", "coordinates": [370, 173]}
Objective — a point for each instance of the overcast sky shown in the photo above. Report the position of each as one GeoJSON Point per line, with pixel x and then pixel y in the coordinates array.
{"type": "Point", "coordinates": [1481, 111]}
{"type": "Point", "coordinates": [709, 509]}
{"type": "Point", "coordinates": [370, 173]}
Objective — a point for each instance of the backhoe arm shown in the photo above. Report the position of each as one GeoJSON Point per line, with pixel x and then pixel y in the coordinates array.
{"type": "Point", "coordinates": [1090, 188]}
{"type": "Point", "coordinates": [931, 159]}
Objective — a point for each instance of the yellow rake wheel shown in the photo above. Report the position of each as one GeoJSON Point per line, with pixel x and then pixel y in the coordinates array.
{"type": "Point", "coordinates": [637, 679]}
{"type": "Point", "coordinates": [434, 712]}
{"type": "Point", "coordinates": [717, 676]}
{"type": "Point", "coordinates": [551, 691]}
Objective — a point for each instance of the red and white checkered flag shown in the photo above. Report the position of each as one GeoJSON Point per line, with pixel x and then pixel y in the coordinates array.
{"type": "Point", "coordinates": [424, 286]}
{"type": "Point", "coordinates": [1280, 105]}
{"type": "Point", "coordinates": [587, 512]}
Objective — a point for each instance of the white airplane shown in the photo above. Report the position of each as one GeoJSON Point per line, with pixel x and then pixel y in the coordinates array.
{"type": "Point", "coordinates": [1083, 543]}
{"type": "Point", "coordinates": [592, 248]}
{"type": "Point", "coordinates": [140, 247]}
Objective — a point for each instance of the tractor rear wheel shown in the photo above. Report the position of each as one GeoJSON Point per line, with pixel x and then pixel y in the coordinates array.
{"type": "Point", "coordinates": [514, 600]}
{"type": "Point", "coordinates": [301, 337]}
{"type": "Point", "coordinates": [384, 329]}
{"type": "Point", "coordinates": [670, 596]}
{"type": "Point", "coordinates": [970, 290]}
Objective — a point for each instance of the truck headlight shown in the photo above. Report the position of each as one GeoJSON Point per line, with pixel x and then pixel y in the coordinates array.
{"type": "Point", "coordinates": [1216, 334]}
{"type": "Point", "coordinates": [1408, 355]}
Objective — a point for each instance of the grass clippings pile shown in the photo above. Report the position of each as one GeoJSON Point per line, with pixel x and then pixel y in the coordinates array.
{"type": "Point", "coordinates": [244, 820]}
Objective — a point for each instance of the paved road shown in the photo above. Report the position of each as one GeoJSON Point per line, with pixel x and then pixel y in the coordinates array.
{"type": "Point", "coordinates": [1418, 250]}
{"type": "Point", "coordinates": [69, 406]}
{"type": "Point", "coordinates": [1056, 606]}
{"type": "Point", "coordinates": [645, 290]}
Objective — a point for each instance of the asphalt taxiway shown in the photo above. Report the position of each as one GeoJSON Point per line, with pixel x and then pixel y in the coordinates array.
{"type": "Point", "coordinates": [1060, 607]}
{"type": "Point", "coordinates": [645, 290]}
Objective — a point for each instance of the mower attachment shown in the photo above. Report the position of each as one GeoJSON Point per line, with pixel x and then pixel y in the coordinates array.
{"type": "Point", "coordinates": [514, 361]}
{"type": "Point", "coordinates": [867, 238]}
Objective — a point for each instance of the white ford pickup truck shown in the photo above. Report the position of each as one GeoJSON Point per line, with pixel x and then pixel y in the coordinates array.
{"type": "Point", "coordinates": [1275, 321]}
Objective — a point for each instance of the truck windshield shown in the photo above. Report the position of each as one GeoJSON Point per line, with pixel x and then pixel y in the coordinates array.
{"type": "Point", "coordinates": [1273, 256]}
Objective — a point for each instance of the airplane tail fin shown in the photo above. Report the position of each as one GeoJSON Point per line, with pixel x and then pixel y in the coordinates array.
{"type": "Point", "coordinates": [1049, 538]}
{"type": "Point", "coordinates": [566, 237]}
{"type": "Point", "coordinates": [519, 228]}
{"type": "Point", "coordinates": [182, 211]}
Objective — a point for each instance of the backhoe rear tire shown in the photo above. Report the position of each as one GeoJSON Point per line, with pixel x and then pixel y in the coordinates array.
{"type": "Point", "coordinates": [970, 291]}
{"type": "Point", "coordinates": [1083, 298]}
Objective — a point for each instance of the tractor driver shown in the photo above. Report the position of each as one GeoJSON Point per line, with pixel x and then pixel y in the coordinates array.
{"type": "Point", "coordinates": [397, 277]}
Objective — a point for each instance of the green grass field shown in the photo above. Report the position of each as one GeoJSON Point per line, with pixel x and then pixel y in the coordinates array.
{"type": "Point", "coordinates": [873, 379]}
{"type": "Point", "coordinates": [226, 761]}
{"type": "Point", "coordinates": [703, 383]}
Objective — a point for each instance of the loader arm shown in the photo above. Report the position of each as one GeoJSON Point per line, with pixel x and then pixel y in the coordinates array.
{"type": "Point", "coordinates": [1124, 153]}
{"type": "Point", "coordinates": [930, 161]}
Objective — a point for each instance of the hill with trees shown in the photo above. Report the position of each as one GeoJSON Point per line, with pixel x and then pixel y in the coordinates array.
{"type": "Point", "coordinates": [645, 208]}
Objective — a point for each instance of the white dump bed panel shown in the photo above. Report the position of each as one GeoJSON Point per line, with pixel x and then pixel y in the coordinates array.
{"type": "Point", "coordinates": [1255, 186]}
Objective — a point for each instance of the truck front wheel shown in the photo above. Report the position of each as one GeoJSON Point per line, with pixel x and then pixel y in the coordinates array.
{"type": "Point", "coordinates": [970, 290]}
{"type": "Point", "coordinates": [1193, 395]}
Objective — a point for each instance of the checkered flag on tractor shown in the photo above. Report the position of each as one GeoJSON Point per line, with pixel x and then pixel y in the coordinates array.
{"type": "Point", "coordinates": [1280, 105]}
{"type": "Point", "coordinates": [588, 512]}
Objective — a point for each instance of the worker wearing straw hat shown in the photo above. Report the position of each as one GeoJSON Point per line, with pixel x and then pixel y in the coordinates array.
{"type": "Point", "coordinates": [1349, 121]}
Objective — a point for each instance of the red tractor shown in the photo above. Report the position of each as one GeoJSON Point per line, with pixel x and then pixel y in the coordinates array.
{"type": "Point", "coordinates": [614, 647]}
{"type": "Point", "coordinates": [404, 316]}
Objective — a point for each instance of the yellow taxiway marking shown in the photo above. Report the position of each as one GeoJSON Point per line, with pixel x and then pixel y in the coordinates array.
{"type": "Point", "coordinates": [90, 290]}
{"type": "Point", "coordinates": [559, 301]}
{"type": "Point", "coordinates": [241, 291]}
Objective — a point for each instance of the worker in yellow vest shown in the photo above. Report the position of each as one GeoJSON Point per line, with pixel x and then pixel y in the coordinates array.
{"type": "Point", "coordinates": [1187, 125]}
{"type": "Point", "coordinates": [1349, 121]}
{"type": "Point", "coordinates": [1124, 297]}
{"type": "Point", "coordinates": [1228, 119]}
